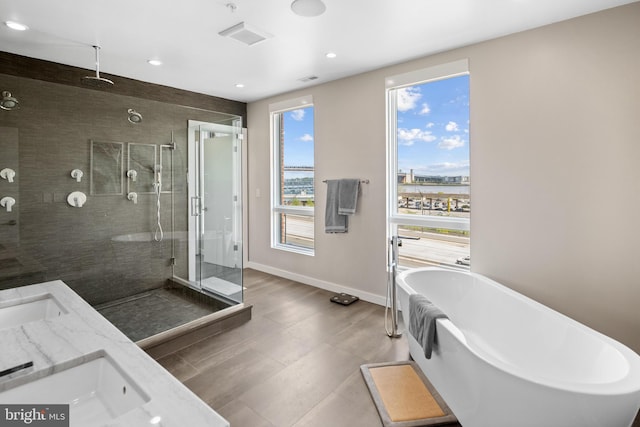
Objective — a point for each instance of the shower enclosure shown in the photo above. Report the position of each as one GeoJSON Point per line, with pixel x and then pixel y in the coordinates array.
{"type": "Point", "coordinates": [142, 219]}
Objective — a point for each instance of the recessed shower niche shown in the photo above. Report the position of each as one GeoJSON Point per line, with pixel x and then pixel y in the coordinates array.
{"type": "Point", "coordinates": [106, 168]}
{"type": "Point", "coordinates": [141, 168]}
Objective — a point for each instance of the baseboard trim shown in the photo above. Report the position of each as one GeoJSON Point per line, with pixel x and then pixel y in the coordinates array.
{"type": "Point", "coordinates": [322, 284]}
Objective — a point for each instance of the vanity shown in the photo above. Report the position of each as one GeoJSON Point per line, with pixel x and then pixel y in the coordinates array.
{"type": "Point", "coordinates": [56, 349]}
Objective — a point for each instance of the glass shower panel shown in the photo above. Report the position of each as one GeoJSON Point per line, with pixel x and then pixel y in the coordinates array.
{"type": "Point", "coordinates": [215, 221]}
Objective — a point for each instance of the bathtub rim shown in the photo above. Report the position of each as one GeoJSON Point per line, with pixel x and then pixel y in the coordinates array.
{"type": "Point", "coordinates": [628, 384]}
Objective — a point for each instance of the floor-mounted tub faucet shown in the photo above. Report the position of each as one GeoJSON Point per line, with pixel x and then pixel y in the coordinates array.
{"type": "Point", "coordinates": [392, 294]}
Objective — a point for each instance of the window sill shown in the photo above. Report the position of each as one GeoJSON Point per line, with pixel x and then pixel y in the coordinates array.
{"type": "Point", "coordinates": [452, 223]}
{"type": "Point", "coordinates": [295, 249]}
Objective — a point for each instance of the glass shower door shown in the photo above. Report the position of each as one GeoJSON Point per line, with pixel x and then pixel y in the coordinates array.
{"type": "Point", "coordinates": [215, 222]}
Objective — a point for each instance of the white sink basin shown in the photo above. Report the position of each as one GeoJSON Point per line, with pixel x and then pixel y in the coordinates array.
{"type": "Point", "coordinates": [98, 391]}
{"type": "Point", "coordinates": [16, 313]}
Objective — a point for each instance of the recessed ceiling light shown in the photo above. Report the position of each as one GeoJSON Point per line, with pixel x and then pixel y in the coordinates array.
{"type": "Point", "coordinates": [331, 55]}
{"type": "Point", "coordinates": [239, 85]}
{"type": "Point", "coordinates": [16, 26]}
{"type": "Point", "coordinates": [155, 62]}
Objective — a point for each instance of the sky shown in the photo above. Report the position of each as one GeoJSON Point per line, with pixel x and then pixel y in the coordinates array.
{"type": "Point", "coordinates": [433, 127]}
{"type": "Point", "coordinates": [298, 137]}
{"type": "Point", "coordinates": [433, 130]}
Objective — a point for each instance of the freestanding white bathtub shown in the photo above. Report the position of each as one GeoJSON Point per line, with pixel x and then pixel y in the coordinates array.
{"type": "Point", "coordinates": [504, 360]}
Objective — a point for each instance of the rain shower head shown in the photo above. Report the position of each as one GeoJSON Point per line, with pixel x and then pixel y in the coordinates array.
{"type": "Point", "coordinates": [9, 102]}
{"type": "Point", "coordinates": [97, 81]}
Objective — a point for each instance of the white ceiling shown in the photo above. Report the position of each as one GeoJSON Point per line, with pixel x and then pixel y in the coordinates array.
{"type": "Point", "coordinates": [365, 35]}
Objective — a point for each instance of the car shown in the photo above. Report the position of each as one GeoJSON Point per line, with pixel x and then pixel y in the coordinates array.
{"type": "Point", "coordinates": [465, 260]}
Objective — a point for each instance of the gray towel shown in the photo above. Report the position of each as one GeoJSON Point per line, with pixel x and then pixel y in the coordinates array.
{"type": "Point", "coordinates": [334, 222]}
{"type": "Point", "coordinates": [348, 196]}
{"type": "Point", "coordinates": [422, 322]}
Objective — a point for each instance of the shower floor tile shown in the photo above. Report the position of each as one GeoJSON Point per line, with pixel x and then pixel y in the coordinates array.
{"type": "Point", "coordinates": [155, 311]}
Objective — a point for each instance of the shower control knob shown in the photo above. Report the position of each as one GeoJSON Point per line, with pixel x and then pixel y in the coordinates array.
{"type": "Point", "coordinates": [7, 202]}
{"type": "Point", "coordinates": [7, 174]}
{"type": "Point", "coordinates": [77, 174]}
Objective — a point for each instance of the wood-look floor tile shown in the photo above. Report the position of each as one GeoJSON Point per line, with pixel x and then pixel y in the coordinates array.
{"type": "Point", "coordinates": [291, 393]}
{"type": "Point", "coordinates": [178, 367]}
{"type": "Point", "coordinates": [354, 385]}
{"type": "Point", "coordinates": [366, 338]}
{"type": "Point", "coordinates": [319, 327]}
{"type": "Point", "coordinates": [291, 312]}
{"type": "Point", "coordinates": [240, 415]}
{"type": "Point", "coordinates": [283, 346]}
{"type": "Point", "coordinates": [220, 384]}
{"type": "Point", "coordinates": [210, 346]}
{"type": "Point", "coordinates": [349, 405]}
{"type": "Point", "coordinates": [297, 362]}
{"type": "Point", "coordinates": [338, 411]}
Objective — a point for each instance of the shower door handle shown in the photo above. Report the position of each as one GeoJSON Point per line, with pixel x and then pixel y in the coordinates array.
{"type": "Point", "coordinates": [195, 206]}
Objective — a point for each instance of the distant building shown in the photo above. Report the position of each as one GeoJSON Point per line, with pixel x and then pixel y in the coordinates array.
{"type": "Point", "coordinates": [411, 178]}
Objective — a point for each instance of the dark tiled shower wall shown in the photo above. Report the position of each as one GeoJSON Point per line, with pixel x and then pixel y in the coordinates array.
{"type": "Point", "coordinates": [52, 240]}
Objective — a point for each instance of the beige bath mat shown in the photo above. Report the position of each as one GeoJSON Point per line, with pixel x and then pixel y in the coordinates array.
{"type": "Point", "coordinates": [404, 397]}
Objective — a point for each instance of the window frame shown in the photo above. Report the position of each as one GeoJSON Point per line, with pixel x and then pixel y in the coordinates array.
{"type": "Point", "coordinates": [277, 209]}
{"type": "Point", "coordinates": [392, 84]}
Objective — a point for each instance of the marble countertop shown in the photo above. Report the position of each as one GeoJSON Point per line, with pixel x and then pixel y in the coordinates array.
{"type": "Point", "coordinates": [52, 343]}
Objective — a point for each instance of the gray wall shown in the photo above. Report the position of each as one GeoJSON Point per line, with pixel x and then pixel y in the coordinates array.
{"type": "Point", "coordinates": [52, 240]}
{"type": "Point", "coordinates": [555, 142]}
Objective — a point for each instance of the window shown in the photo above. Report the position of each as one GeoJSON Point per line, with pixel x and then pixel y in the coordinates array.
{"type": "Point", "coordinates": [428, 151]}
{"type": "Point", "coordinates": [292, 188]}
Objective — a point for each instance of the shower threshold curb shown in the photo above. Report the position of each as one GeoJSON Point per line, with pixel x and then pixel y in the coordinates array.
{"type": "Point", "coordinates": [170, 341]}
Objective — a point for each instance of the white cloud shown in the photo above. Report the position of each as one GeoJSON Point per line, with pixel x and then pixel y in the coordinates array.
{"type": "Point", "coordinates": [410, 136]}
{"type": "Point", "coordinates": [452, 127]}
{"type": "Point", "coordinates": [297, 115]}
{"type": "Point", "coordinates": [425, 109]}
{"type": "Point", "coordinates": [306, 137]}
{"type": "Point", "coordinates": [407, 98]}
{"type": "Point", "coordinates": [430, 125]}
{"type": "Point", "coordinates": [451, 143]}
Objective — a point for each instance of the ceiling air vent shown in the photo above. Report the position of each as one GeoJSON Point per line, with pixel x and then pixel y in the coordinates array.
{"type": "Point", "coordinates": [308, 79]}
{"type": "Point", "coordinates": [245, 34]}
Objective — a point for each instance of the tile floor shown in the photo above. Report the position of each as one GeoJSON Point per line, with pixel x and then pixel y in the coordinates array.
{"type": "Point", "coordinates": [296, 363]}
{"type": "Point", "coordinates": [157, 310]}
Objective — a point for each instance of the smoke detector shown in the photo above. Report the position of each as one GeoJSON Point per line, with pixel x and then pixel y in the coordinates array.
{"type": "Point", "coordinates": [245, 34]}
